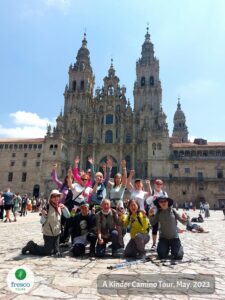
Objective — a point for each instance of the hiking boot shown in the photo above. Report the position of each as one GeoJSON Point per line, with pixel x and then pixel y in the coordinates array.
{"type": "Point", "coordinates": [141, 255]}
{"type": "Point", "coordinates": [153, 248]}
{"type": "Point", "coordinates": [28, 246]}
{"type": "Point", "coordinates": [58, 254]}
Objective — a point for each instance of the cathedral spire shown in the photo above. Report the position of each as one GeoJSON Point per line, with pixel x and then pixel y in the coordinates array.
{"type": "Point", "coordinates": [83, 56]}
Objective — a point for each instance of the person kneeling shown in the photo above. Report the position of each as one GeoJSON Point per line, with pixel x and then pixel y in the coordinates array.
{"type": "Point", "coordinates": [139, 228]}
{"type": "Point", "coordinates": [108, 229]}
{"type": "Point", "coordinates": [83, 231]}
{"type": "Point", "coordinates": [51, 227]}
{"type": "Point", "coordinates": [168, 236]}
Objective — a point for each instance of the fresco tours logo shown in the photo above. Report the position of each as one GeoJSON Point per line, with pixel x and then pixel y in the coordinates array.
{"type": "Point", "coordinates": [20, 279]}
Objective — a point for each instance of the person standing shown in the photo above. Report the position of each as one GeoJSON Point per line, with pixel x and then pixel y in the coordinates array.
{"type": "Point", "coordinates": [24, 205]}
{"type": "Point", "coordinates": [99, 189]}
{"type": "Point", "coordinates": [117, 189]}
{"type": "Point", "coordinates": [1, 207]}
{"type": "Point", "coordinates": [8, 203]}
{"type": "Point", "coordinates": [137, 191]}
{"type": "Point", "coordinates": [17, 201]}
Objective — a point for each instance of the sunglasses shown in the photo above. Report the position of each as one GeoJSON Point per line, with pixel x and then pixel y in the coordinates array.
{"type": "Point", "coordinates": [163, 201]}
{"type": "Point", "coordinates": [84, 179]}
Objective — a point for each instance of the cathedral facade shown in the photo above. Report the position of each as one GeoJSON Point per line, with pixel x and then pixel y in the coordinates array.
{"type": "Point", "coordinates": [102, 123]}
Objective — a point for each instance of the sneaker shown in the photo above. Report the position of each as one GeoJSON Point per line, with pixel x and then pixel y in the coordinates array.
{"type": "Point", "coordinates": [27, 247]}
{"type": "Point", "coordinates": [153, 248]}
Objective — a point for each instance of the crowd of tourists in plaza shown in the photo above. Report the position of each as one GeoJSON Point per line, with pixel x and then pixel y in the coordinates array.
{"type": "Point", "coordinates": [88, 210]}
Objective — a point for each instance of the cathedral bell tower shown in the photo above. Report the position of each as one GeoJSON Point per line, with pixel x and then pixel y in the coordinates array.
{"type": "Point", "coordinates": [180, 130]}
{"type": "Point", "coordinates": [152, 136]}
{"type": "Point", "coordinates": [81, 82]}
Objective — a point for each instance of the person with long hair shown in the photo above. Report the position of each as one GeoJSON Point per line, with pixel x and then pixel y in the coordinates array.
{"type": "Point", "coordinates": [62, 186]}
{"type": "Point", "coordinates": [117, 188]}
{"type": "Point", "coordinates": [139, 228]}
{"type": "Point", "coordinates": [50, 220]}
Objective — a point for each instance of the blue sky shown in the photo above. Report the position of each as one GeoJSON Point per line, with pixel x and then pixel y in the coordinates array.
{"type": "Point", "coordinates": [40, 39]}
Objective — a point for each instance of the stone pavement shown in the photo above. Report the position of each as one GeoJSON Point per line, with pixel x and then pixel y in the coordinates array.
{"type": "Point", "coordinates": [53, 278]}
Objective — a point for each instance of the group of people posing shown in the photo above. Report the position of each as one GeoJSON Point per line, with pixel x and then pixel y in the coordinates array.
{"type": "Point", "coordinates": [90, 209]}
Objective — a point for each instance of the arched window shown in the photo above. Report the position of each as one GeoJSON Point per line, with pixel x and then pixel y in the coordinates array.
{"type": "Point", "coordinates": [111, 90]}
{"type": "Point", "coordinates": [159, 146]}
{"type": "Point", "coordinates": [90, 139]}
{"type": "Point", "coordinates": [109, 137]}
{"type": "Point", "coordinates": [74, 85]}
{"type": "Point", "coordinates": [154, 146]}
{"type": "Point", "coordinates": [128, 139]}
{"type": "Point", "coordinates": [142, 81]}
{"type": "Point", "coordinates": [151, 80]}
{"type": "Point", "coordinates": [82, 85]}
{"type": "Point", "coordinates": [109, 119]}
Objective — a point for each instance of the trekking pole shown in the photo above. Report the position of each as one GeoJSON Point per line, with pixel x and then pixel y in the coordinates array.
{"type": "Point", "coordinates": [130, 263]}
{"type": "Point", "coordinates": [80, 268]}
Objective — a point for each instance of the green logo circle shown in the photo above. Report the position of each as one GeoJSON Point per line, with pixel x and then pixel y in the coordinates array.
{"type": "Point", "coordinates": [20, 274]}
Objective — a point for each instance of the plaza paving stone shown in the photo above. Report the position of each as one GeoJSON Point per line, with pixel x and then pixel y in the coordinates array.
{"type": "Point", "coordinates": [54, 277]}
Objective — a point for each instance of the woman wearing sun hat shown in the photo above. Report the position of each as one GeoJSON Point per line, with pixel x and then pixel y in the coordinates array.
{"type": "Point", "coordinates": [51, 227]}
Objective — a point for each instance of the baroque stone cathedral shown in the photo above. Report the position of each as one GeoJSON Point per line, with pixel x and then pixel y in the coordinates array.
{"type": "Point", "coordinates": [102, 123]}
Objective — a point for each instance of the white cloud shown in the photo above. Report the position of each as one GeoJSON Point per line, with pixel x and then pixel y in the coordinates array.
{"type": "Point", "coordinates": [28, 118]}
{"type": "Point", "coordinates": [27, 125]}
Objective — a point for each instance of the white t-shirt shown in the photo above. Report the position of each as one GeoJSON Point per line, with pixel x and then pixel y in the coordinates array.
{"type": "Point", "coordinates": [83, 192]}
{"type": "Point", "coordinates": [155, 195]}
{"type": "Point", "coordinates": [139, 196]}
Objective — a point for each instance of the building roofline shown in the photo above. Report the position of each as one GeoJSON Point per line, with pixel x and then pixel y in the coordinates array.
{"type": "Point", "coordinates": [22, 140]}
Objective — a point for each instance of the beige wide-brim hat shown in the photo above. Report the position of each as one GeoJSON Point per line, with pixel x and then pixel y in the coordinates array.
{"type": "Point", "coordinates": [54, 192]}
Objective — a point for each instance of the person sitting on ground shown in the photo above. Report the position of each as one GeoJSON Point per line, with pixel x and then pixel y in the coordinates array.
{"type": "Point", "coordinates": [83, 231]}
{"type": "Point", "coordinates": [139, 228]}
{"type": "Point", "coordinates": [194, 227]}
{"type": "Point", "coordinates": [108, 229]}
{"type": "Point", "coordinates": [199, 219]}
{"type": "Point", "coordinates": [167, 218]}
{"type": "Point", "coordinates": [50, 220]}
